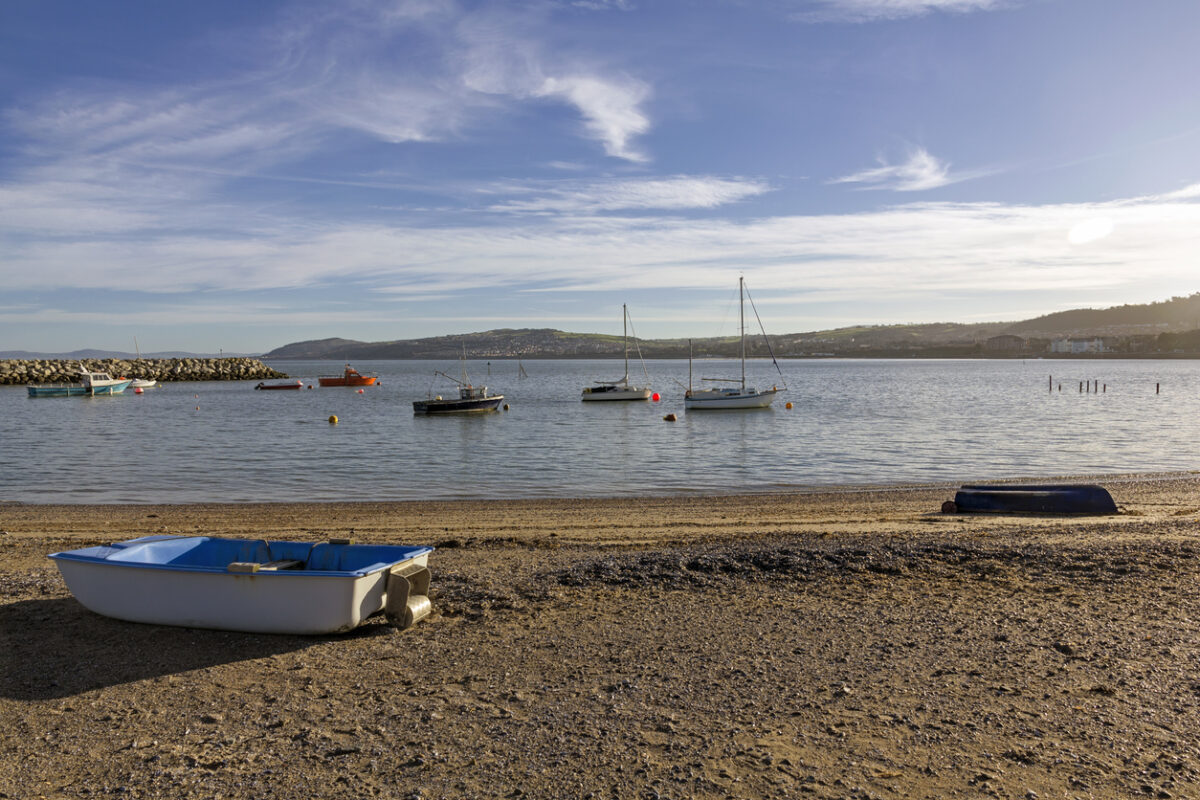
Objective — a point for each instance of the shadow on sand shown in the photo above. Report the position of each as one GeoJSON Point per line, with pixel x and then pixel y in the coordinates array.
{"type": "Point", "coordinates": [57, 648]}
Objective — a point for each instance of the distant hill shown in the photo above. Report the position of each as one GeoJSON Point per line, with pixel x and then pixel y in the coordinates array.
{"type": "Point", "coordinates": [1176, 314]}
{"type": "Point", "coordinates": [503, 343]}
{"type": "Point", "coordinates": [1138, 325]}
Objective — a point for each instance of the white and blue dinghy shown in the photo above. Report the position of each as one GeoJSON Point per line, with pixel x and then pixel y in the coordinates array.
{"type": "Point", "coordinates": [256, 586]}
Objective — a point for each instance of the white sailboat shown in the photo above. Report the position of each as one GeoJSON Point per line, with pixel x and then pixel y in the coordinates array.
{"type": "Point", "coordinates": [141, 383]}
{"type": "Point", "coordinates": [741, 396]}
{"type": "Point", "coordinates": [620, 390]}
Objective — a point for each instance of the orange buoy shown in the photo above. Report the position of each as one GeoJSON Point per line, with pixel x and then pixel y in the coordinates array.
{"type": "Point", "coordinates": [787, 405]}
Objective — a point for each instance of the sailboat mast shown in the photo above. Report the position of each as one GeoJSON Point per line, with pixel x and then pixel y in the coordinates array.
{"type": "Point", "coordinates": [625, 336]}
{"type": "Point", "coordinates": [742, 322]}
{"type": "Point", "coordinates": [689, 366]}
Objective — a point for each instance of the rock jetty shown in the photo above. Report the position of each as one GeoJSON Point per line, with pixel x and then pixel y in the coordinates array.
{"type": "Point", "coordinates": [22, 371]}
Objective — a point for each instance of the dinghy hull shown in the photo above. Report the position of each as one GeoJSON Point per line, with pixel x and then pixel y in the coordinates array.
{"type": "Point", "coordinates": [253, 586]}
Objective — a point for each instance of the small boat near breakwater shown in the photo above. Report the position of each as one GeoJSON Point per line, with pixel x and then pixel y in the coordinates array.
{"type": "Point", "coordinates": [89, 384]}
{"type": "Point", "coordinates": [290, 385]}
{"type": "Point", "coordinates": [349, 377]}
{"type": "Point", "coordinates": [250, 585]}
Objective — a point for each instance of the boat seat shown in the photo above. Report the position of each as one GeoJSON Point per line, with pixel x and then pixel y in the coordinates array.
{"type": "Point", "coordinates": [283, 563]}
{"type": "Point", "coordinates": [251, 557]}
{"type": "Point", "coordinates": [264, 566]}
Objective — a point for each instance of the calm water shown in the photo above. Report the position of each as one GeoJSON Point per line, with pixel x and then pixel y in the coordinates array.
{"type": "Point", "coordinates": [852, 422]}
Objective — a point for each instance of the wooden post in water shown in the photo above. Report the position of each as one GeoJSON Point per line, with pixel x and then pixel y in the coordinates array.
{"type": "Point", "coordinates": [1081, 387]}
{"type": "Point", "coordinates": [1156, 388]}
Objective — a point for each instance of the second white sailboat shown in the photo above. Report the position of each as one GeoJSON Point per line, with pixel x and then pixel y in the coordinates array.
{"type": "Point", "coordinates": [741, 396]}
{"type": "Point", "coordinates": [620, 390]}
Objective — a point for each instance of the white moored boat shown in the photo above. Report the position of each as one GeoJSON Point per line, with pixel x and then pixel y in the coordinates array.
{"type": "Point", "coordinates": [741, 396]}
{"type": "Point", "coordinates": [621, 390]}
{"type": "Point", "coordinates": [250, 585]}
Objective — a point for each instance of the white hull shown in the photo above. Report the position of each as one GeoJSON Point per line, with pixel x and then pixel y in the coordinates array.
{"type": "Point", "coordinates": [267, 601]}
{"type": "Point", "coordinates": [728, 398]}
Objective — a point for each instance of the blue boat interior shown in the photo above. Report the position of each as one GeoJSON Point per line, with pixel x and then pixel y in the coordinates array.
{"type": "Point", "coordinates": [205, 553]}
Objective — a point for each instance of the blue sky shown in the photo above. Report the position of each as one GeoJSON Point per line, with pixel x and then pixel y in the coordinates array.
{"type": "Point", "coordinates": [237, 176]}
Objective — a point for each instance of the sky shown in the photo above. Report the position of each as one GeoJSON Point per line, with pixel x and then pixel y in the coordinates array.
{"type": "Point", "coordinates": [232, 176]}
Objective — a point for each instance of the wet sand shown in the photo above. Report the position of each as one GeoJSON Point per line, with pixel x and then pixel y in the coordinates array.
{"type": "Point", "coordinates": [853, 643]}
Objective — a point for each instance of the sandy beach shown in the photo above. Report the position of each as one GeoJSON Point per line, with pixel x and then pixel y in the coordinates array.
{"type": "Point", "coordinates": [844, 644]}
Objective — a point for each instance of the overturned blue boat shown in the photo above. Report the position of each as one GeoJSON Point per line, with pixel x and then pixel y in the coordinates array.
{"type": "Point", "coordinates": [1018, 499]}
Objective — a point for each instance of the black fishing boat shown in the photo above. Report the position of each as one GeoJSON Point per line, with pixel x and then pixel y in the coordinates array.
{"type": "Point", "coordinates": [471, 399]}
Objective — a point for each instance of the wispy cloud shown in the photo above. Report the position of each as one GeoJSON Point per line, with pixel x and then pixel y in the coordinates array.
{"type": "Point", "coordinates": [661, 194]}
{"type": "Point", "coordinates": [611, 110]}
{"type": "Point", "coordinates": [880, 10]}
{"type": "Point", "coordinates": [920, 249]}
{"type": "Point", "coordinates": [352, 69]}
{"type": "Point", "coordinates": [921, 172]}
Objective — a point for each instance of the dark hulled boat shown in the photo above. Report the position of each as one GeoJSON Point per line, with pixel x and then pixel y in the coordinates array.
{"type": "Point", "coordinates": [470, 399]}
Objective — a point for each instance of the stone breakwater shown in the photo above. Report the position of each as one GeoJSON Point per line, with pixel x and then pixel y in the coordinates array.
{"type": "Point", "coordinates": [19, 371]}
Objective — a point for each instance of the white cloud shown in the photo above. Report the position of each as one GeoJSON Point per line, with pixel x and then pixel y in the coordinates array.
{"type": "Point", "coordinates": [919, 250]}
{"type": "Point", "coordinates": [1090, 230]}
{"type": "Point", "coordinates": [353, 68]}
{"type": "Point", "coordinates": [921, 172]}
{"type": "Point", "coordinates": [611, 110]}
{"type": "Point", "coordinates": [879, 10]}
{"type": "Point", "coordinates": [671, 193]}
{"type": "Point", "coordinates": [498, 60]}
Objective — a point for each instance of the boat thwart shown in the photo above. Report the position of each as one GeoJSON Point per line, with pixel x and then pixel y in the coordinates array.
{"type": "Point", "coordinates": [250, 585]}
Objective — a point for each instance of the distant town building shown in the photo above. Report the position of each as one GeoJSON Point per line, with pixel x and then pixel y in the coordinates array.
{"type": "Point", "coordinates": [1074, 345]}
{"type": "Point", "coordinates": [1004, 343]}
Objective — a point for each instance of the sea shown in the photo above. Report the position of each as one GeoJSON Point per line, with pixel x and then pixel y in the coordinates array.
{"type": "Point", "coordinates": [839, 422]}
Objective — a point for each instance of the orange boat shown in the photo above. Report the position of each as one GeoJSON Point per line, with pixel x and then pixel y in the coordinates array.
{"type": "Point", "coordinates": [351, 377]}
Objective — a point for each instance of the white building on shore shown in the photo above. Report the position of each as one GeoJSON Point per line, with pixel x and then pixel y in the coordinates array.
{"type": "Point", "coordinates": [1074, 345]}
